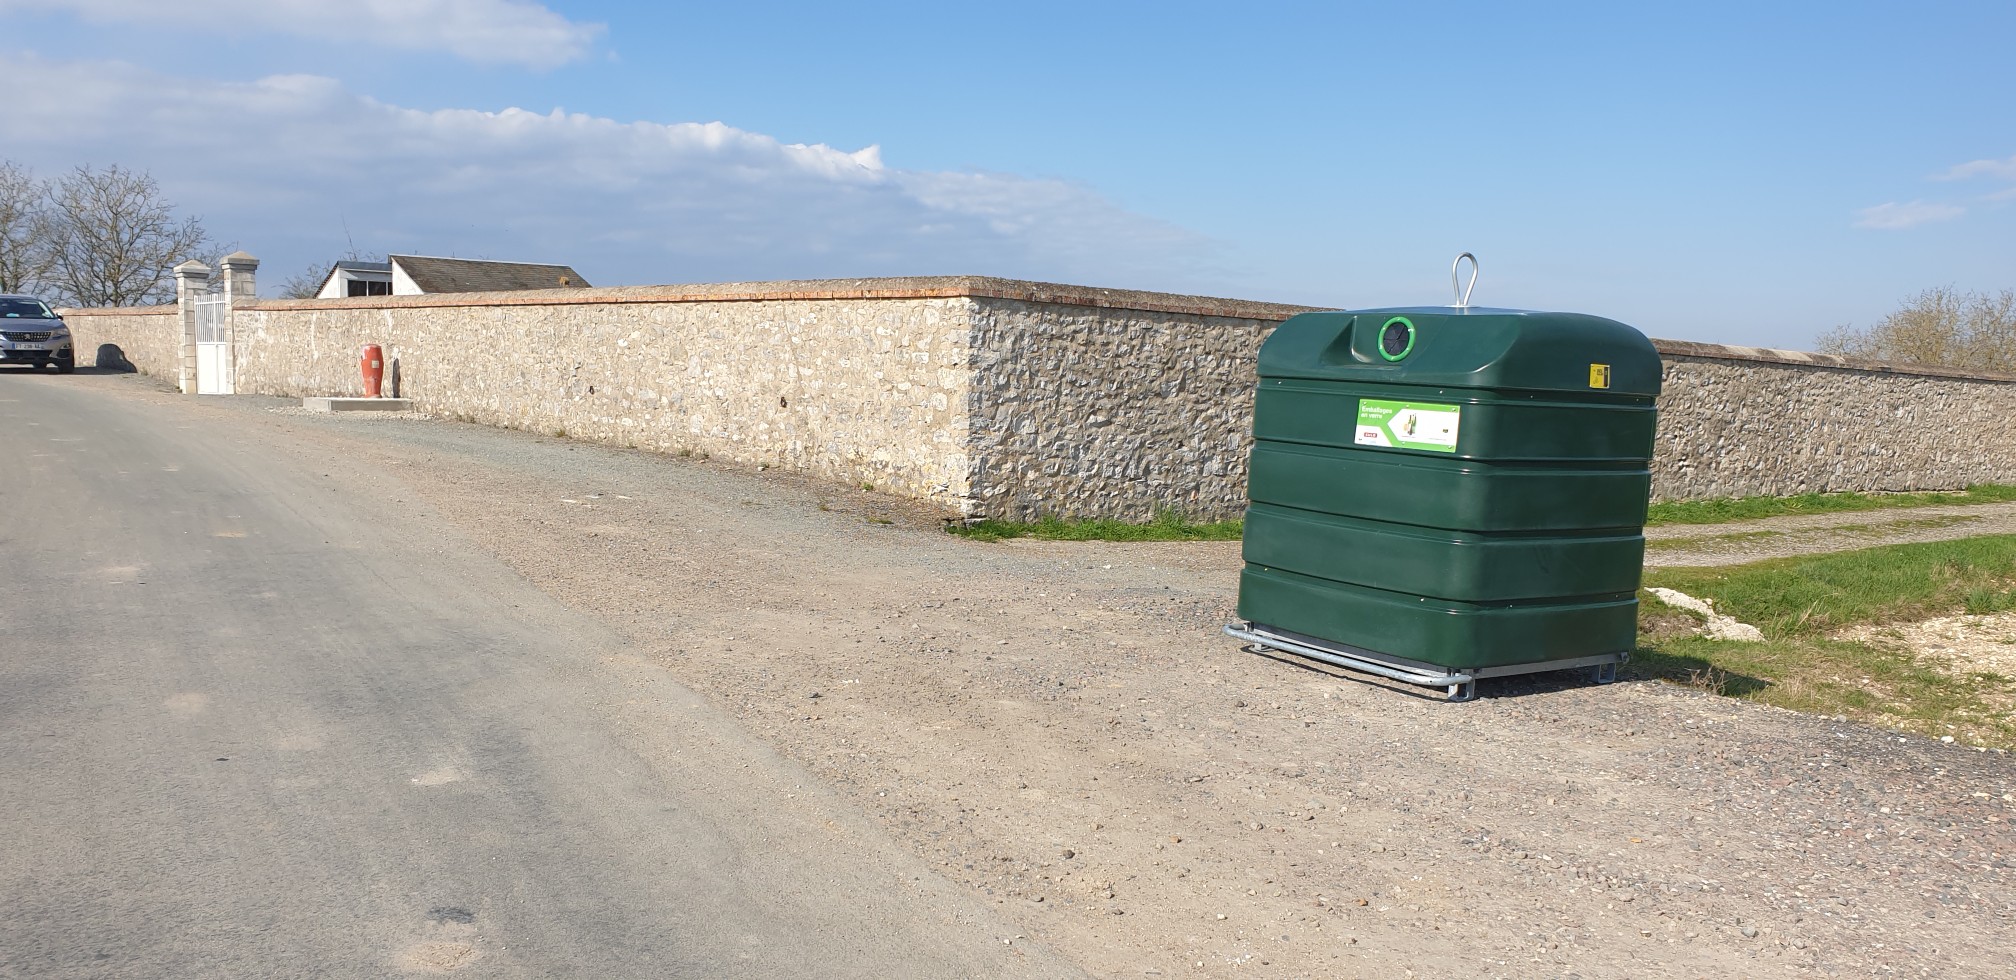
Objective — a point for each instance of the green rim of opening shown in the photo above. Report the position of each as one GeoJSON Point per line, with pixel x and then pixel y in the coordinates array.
{"type": "Point", "coordinates": [1380, 341]}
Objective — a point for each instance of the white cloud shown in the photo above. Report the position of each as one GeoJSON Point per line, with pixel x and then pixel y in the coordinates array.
{"type": "Point", "coordinates": [1999, 169]}
{"type": "Point", "coordinates": [283, 164]}
{"type": "Point", "coordinates": [517, 32]}
{"type": "Point", "coordinates": [1893, 216]}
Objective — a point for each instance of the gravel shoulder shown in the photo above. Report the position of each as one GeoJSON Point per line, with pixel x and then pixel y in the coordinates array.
{"type": "Point", "coordinates": [1060, 729]}
{"type": "Point", "coordinates": [1743, 542]}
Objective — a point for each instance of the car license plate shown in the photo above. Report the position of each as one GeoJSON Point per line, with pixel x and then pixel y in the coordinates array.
{"type": "Point", "coordinates": [31, 346]}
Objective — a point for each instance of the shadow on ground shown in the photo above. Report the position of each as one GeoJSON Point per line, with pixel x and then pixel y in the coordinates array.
{"type": "Point", "coordinates": [1518, 685]}
{"type": "Point", "coordinates": [1693, 672]}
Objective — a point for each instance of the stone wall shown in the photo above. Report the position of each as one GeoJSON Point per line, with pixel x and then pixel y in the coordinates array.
{"type": "Point", "coordinates": [1739, 421]}
{"type": "Point", "coordinates": [843, 381]}
{"type": "Point", "coordinates": [149, 337]}
{"type": "Point", "coordinates": [1015, 399]}
{"type": "Point", "coordinates": [1123, 412]}
{"type": "Point", "coordinates": [983, 396]}
{"type": "Point", "coordinates": [1119, 411]}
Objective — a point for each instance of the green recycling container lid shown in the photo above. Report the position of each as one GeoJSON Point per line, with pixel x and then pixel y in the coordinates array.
{"type": "Point", "coordinates": [1465, 347]}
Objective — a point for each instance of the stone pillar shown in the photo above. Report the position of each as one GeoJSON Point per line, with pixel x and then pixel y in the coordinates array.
{"type": "Point", "coordinates": [192, 279]}
{"type": "Point", "coordinates": [240, 283]}
{"type": "Point", "coordinates": [239, 277]}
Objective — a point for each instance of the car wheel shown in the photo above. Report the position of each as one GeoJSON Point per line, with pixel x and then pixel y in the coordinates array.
{"type": "Point", "coordinates": [68, 366]}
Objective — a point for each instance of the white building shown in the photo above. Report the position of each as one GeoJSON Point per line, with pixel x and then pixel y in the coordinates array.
{"type": "Point", "coordinates": [415, 275]}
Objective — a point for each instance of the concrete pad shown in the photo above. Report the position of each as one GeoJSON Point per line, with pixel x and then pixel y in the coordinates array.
{"type": "Point", "coordinates": [357, 404]}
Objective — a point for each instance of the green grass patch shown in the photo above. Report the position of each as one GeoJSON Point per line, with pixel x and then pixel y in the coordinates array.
{"type": "Point", "coordinates": [1814, 594]}
{"type": "Point", "coordinates": [1723, 510]}
{"type": "Point", "coordinates": [1800, 602]}
{"type": "Point", "coordinates": [1165, 527]}
{"type": "Point", "coordinates": [1981, 602]}
{"type": "Point", "coordinates": [1878, 685]}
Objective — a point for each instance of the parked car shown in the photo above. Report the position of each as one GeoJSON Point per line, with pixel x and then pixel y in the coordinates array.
{"type": "Point", "coordinates": [31, 333]}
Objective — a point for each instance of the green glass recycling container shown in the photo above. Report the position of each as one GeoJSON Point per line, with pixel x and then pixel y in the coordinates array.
{"type": "Point", "coordinates": [1455, 486]}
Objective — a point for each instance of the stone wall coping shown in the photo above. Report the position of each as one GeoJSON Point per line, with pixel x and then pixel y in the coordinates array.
{"type": "Point", "coordinates": [914, 287]}
{"type": "Point", "coordinates": [169, 309]}
{"type": "Point", "coordinates": [1735, 352]}
{"type": "Point", "coordinates": [989, 287]}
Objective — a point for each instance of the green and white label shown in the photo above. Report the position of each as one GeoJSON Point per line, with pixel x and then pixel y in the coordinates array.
{"type": "Point", "coordinates": [1408, 425]}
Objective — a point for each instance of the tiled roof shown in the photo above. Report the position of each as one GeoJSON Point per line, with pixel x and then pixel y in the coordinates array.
{"type": "Point", "coordinates": [437, 275]}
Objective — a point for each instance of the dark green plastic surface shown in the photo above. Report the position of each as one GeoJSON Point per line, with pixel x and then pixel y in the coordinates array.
{"type": "Point", "coordinates": [1523, 544]}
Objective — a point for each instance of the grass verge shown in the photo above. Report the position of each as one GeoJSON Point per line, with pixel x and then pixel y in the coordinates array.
{"type": "Point", "coordinates": [1165, 527]}
{"type": "Point", "coordinates": [1723, 510]}
{"type": "Point", "coordinates": [1799, 603]}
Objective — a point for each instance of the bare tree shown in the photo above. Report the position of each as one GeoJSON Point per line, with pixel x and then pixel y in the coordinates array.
{"type": "Point", "coordinates": [306, 283]}
{"type": "Point", "coordinates": [1944, 327]}
{"type": "Point", "coordinates": [115, 241]}
{"type": "Point", "coordinates": [24, 229]}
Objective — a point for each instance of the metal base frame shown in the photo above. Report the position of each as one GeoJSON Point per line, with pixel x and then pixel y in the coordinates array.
{"type": "Point", "coordinates": [1461, 685]}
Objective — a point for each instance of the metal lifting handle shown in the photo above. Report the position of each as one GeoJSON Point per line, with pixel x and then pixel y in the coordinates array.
{"type": "Point", "coordinates": [1462, 292]}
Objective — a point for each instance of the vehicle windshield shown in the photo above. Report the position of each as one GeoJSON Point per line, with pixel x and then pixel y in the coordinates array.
{"type": "Point", "coordinates": [14, 308]}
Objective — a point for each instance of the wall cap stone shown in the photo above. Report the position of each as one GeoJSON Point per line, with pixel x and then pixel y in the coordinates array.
{"type": "Point", "coordinates": [990, 287]}
{"type": "Point", "coordinates": [1734, 352]}
{"type": "Point", "coordinates": [168, 309]}
{"type": "Point", "coordinates": [913, 287]}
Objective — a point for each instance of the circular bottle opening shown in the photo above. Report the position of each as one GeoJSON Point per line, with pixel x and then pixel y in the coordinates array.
{"type": "Point", "coordinates": [1396, 338]}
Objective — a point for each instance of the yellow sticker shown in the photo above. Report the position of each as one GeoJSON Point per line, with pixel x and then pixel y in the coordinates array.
{"type": "Point", "coordinates": [1599, 375]}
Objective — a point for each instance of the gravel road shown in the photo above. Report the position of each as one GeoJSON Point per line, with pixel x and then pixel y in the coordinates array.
{"type": "Point", "coordinates": [1808, 534]}
{"type": "Point", "coordinates": [260, 724]}
{"type": "Point", "coordinates": [1060, 729]}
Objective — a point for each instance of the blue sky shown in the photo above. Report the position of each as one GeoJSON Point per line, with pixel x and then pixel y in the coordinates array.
{"type": "Point", "coordinates": [1745, 173]}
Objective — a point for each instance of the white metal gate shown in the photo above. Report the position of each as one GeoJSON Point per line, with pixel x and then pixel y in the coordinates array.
{"type": "Point", "coordinates": [213, 346]}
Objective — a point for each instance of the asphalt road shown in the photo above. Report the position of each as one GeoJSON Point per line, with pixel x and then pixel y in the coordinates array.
{"type": "Point", "coordinates": [261, 720]}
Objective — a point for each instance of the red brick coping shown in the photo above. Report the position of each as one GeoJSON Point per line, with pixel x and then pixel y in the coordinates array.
{"type": "Point", "coordinates": [1732, 352]}
{"type": "Point", "coordinates": [168, 310]}
{"type": "Point", "coordinates": [917, 287]}
{"type": "Point", "coordinates": [989, 287]}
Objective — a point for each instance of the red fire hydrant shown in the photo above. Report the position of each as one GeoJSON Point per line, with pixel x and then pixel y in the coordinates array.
{"type": "Point", "coordinates": [373, 363]}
